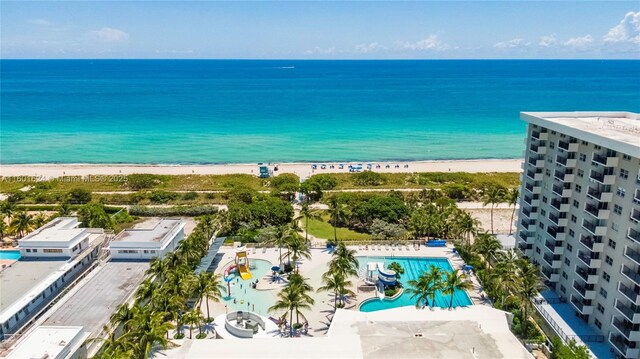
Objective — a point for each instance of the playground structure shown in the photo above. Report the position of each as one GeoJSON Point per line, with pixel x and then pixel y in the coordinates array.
{"type": "Point", "coordinates": [242, 263]}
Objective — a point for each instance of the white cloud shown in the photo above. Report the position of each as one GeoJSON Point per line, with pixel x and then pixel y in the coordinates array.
{"type": "Point", "coordinates": [321, 51]}
{"type": "Point", "coordinates": [579, 42]}
{"type": "Point", "coordinates": [548, 41]}
{"type": "Point", "coordinates": [513, 43]}
{"type": "Point", "coordinates": [369, 48]}
{"type": "Point", "coordinates": [628, 30]}
{"type": "Point", "coordinates": [430, 43]}
{"type": "Point", "coordinates": [108, 34]}
{"type": "Point", "coordinates": [40, 22]}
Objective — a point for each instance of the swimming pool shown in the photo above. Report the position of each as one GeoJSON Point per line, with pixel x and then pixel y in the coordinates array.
{"type": "Point", "coordinates": [10, 255]}
{"type": "Point", "coordinates": [413, 268]}
{"type": "Point", "coordinates": [243, 296]}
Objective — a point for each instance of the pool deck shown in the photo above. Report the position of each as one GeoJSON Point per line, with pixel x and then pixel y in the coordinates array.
{"type": "Point", "coordinates": [320, 315]}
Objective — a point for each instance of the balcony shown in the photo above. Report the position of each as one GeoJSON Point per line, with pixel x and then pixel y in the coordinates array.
{"type": "Point", "coordinates": [562, 222]}
{"type": "Point", "coordinates": [553, 261]}
{"type": "Point", "coordinates": [526, 237]}
{"type": "Point", "coordinates": [631, 312]}
{"type": "Point", "coordinates": [582, 306]}
{"type": "Point", "coordinates": [633, 235]}
{"type": "Point", "coordinates": [561, 191]}
{"type": "Point", "coordinates": [609, 160]}
{"type": "Point", "coordinates": [631, 273]}
{"type": "Point", "coordinates": [591, 262]}
{"type": "Point", "coordinates": [531, 202]}
{"type": "Point", "coordinates": [535, 175]}
{"type": "Point", "coordinates": [587, 292]}
{"type": "Point", "coordinates": [595, 228]}
{"type": "Point", "coordinates": [554, 247]}
{"type": "Point", "coordinates": [606, 179]}
{"type": "Point", "coordinates": [540, 136]}
{"type": "Point", "coordinates": [600, 195]}
{"type": "Point", "coordinates": [532, 188]}
{"type": "Point", "coordinates": [635, 215]}
{"type": "Point", "coordinates": [552, 275]}
{"type": "Point", "coordinates": [636, 195]}
{"type": "Point", "coordinates": [589, 276]}
{"type": "Point", "coordinates": [631, 292]}
{"type": "Point", "coordinates": [631, 254]}
{"type": "Point", "coordinates": [628, 330]}
{"type": "Point", "coordinates": [593, 244]}
{"type": "Point", "coordinates": [568, 146]}
{"type": "Point", "coordinates": [566, 162]}
{"type": "Point", "coordinates": [538, 149]}
{"type": "Point", "coordinates": [529, 213]}
{"type": "Point", "coordinates": [563, 176]}
{"type": "Point", "coordinates": [624, 348]}
{"type": "Point", "coordinates": [556, 234]}
{"type": "Point", "coordinates": [525, 249]}
{"type": "Point", "coordinates": [560, 206]}
{"type": "Point", "coordinates": [599, 211]}
{"type": "Point", "coordinates": [536, 162]}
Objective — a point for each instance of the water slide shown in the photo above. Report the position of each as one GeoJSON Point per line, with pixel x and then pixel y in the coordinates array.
{"type": "Point", "coordinates": [243, 269]}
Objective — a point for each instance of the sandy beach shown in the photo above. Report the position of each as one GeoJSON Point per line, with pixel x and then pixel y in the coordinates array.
{"type": "Point", "coordinates": [47, 171]}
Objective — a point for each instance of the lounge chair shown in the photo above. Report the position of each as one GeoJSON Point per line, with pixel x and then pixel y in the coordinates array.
{"type": "Point", "coordinates": [406, 246]}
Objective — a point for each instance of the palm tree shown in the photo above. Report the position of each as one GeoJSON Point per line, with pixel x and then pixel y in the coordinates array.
{"type": "Point", "coordinates": [344, 261]}
{"type": "Point", "coordinates": [4, 229]}
{"type": "Point", "coordinates": [297, 248]}
{"type": "Point", "coordinates": [167, 304]}
{"type": "Point", "coordinates": [511, 197]}
{"type": "Point", "coordinates": [39, 220]}
{"type": "Point", "coordinates": [207, 286]}
{"type": "Point", "coordinates": [7, 209]}
{"type": "Point", "coordinates": [334, 282]}
{"type": "Point", "coordinates": [455, 281]}
{"type": "Point", "coordinates": [64, 209]}
{"type": "Point", "coordinates": [396, 267]}
{"type": "Point", "coordinates": [493, 196]}
{"type": "Point", "coordinates": [300, 284]}
{"type": "Point", "coordinates": [193, 318]}
{"type": "Point", "coordinates": [281, 236]}
{"type": "Point", "coordinates": [307, 213]}
{"type": "Point", "coordinates": [527, 286]}
{"type": "Point", "coordinates": [158, 268]}
{"type": "Point", "coordinates": [487, 245]}
{"type": "Point", "coordinates": [209, 225]}
{"type": "Point", "coordinates": [122, 315]}
{"type": "Point", "coordinates": [339, 213]}
{"type": "Point", "coordinates": [467, 225]}
{"type": "Point", "coordinates": [22, 223]}
{"type": "Point", "coordinates": [149, 329]}
{"type": "Point", "coordinates": [145, 290]}
{"type": "Point", "coordinates": [113, 346]}
{"type": "Point", "coordinates": [290, 299]}
{"type": "Point", "coordinates": [426, 287]}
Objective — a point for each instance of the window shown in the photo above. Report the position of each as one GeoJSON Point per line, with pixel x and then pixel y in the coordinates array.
{"type": "Point", "coordinates": [578, 188]}
{"type": "Point", "coordinates": [606, 276]}
{"type": "Point", "coordinates": [574, 219]}
{"type": "Point", "coordinates": [52, 250]}
{"type": "Point", "coordinates": [571, 233]}
{"type": "Point", "coordinates": [567, 261]}
{"type": "Point", "coordinates": [537, 250]}
{"type": "Point", "coordinates": [562, 135]}
{"type": "Point", "coordinates": [576, 203]}
{"type": "Point", "coordinates": [544, 199]}
{"type": "Point", "coordinates": [600, 308]}
{"type": "Point", "coordinates": [28, 250]}
{"type": "Point", "coordinates": [615, 226]}
{"type": "Point", "coordinates": [553, 132]}
{"type": "Point", "coordinates": [597, 323]}
{"type": "Point", "coordinates": [547, 172]}
{"type": "Point", "coordinates": [624, 173]}
{"type": "Point", "coordinates": [620, 191]}
{"type": "Point", "coordinates": [612, 243]}
{"type": "Point", "coordinates": [34, 250]}
{"type": "Point", "coordinates": [617, 209]}
{"type": "Point", "coordinates": [585, 143]}
{"type": "Point", "coordinates": [564, 275]}
{"type": "Point", "coordinates": [626, 157]}
{"type": "Point", "coordinates": [603, 292]}
{"type": "Point", "coordinates": [569, 247]}
{"type": "Point", "coordinates": [580, 173]}
{"type": "Point", "coordinates": [597, 147]}
{"type": "Point", "coordinates": [583, 157]}
{"type": "Point", "coordinates": [608, 260]}
{"type": "Point", "coordinates": [562, 288]}
{"type": "Point", "coordinates": [127, 251]}
{"type": "Point", "coordinates": [543, 212]}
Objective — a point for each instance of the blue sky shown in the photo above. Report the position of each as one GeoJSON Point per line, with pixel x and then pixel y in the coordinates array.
{"type": "Point", "coordinates": [320, 30]}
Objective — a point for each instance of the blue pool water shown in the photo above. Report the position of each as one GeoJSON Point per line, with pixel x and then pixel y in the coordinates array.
{"type": "Point", "coordinates": [12, 255]}
{"type": "Point", "coordinates": [247, 298]}
{"type": "Point", "coordinates": [413, 268]}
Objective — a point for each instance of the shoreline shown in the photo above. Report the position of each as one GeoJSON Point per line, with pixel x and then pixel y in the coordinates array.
{"type": "Point", "coordinates": [302, 169]}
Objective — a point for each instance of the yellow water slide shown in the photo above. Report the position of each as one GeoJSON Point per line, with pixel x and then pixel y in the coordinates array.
{"type": "Point", "coordinates": [242, 262]}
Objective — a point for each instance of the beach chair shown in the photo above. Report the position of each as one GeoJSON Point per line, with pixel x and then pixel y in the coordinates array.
{"type": "Point", "coordinates": [399, 247]}
{"type": "Point", "coordinates": [386, 246]}
{"type": "Point", "coordinates": [406, 246]}
{"type": "Point", "coordinates": [264, 249]}
{"type": "Point", "coordinates": [393, 247]}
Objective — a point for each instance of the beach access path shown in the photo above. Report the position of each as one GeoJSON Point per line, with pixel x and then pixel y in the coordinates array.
{"type": "Point", "coordinates": [301, 169]}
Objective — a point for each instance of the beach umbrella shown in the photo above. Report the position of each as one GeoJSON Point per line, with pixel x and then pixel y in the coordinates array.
{"type": "Point", "coordinates": [275, 268]}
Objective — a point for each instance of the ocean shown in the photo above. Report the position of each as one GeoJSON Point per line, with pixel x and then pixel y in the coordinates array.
{"type": "Point", "coordinates": [244, 111]}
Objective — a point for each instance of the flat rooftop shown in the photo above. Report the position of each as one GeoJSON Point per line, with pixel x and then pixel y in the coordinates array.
{"type": "Point", "coordinates": [49, 342]}
{"type": "Point", "coordinates": [21, 280]}
{"type": "Point", "coordinates": [153, 230]}
{"type": "Point", "coordinates": [61, 229]}
{"type": "Point", "coordinates": [473, 332]}
{"type": "Point", "coordinates": [623, 127]}
{"type": "Point", "coordinates": [92, 303]}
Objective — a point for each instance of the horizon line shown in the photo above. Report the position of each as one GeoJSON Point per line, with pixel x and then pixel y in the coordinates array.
{"type": "Point", "coordinates": [324, 59]}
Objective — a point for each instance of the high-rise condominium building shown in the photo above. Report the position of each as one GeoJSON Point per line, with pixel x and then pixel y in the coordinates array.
{"type": "Point", "coordinates": [579, 216]}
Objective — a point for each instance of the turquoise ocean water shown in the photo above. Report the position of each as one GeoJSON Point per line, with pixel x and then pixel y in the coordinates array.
{"type": "Point", "coordinates": [219, 111]}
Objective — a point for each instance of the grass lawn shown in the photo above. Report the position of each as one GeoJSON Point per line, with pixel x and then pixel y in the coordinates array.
{"type": "Point", "coordinates": [323, 229]}
{"type": "Point", "coordinates": [431, 180]}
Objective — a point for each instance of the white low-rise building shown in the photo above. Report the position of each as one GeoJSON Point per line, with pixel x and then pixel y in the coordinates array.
{"type": "Point", "coordinates": [148, 240]}
{"type": "Point", "coordinates": [53, 256]}
{"type": "Point", "coordinates": [51, 343]}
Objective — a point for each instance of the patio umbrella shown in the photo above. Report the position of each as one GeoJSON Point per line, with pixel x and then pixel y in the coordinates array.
{"type": "Point", "coordinates": [275, 268]}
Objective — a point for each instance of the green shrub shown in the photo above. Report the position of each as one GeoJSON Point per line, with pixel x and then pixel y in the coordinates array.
{"type": "Point", "coordinates": [138, 181]}
{"type": "Point", "coordinates": [190, 196]}
{"type": "Point", "coordinates": [79, 196]}
{"type": "Point", "coordinates": [368, 178]}
{"type": "Point", "coordinates": [190, 211]}
{"type": "Point", "coordinates": [162, 197]}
